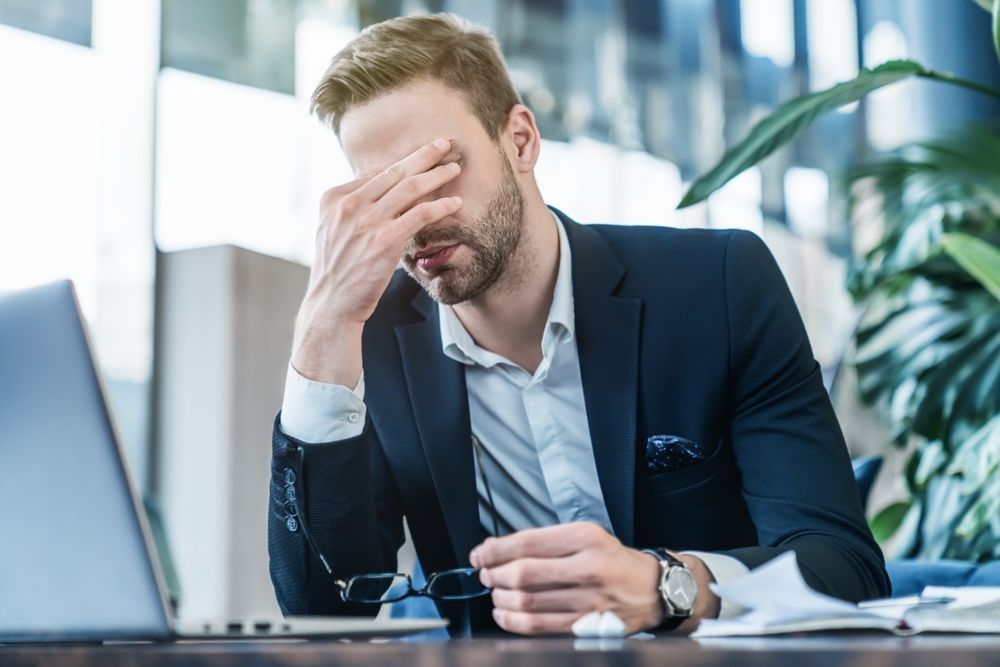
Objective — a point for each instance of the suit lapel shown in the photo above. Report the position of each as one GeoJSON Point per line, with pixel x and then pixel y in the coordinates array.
{"type": "Point", "coordinates": [607, 338]}
{"type": "Point", "coordinates": [607, 334]}
{"type": "Point", "coordinates": [436, 385]}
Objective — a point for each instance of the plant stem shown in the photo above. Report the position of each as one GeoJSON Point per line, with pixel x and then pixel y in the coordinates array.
{"type": "Point", "coordinates": [965, 83]}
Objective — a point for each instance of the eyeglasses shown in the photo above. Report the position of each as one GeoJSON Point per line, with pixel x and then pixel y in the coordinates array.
{"type": "Point", "coordinates": [458, 584]}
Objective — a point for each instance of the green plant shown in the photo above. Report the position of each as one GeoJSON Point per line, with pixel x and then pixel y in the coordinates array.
{"type": "Point", "coordinates": [927, 348]}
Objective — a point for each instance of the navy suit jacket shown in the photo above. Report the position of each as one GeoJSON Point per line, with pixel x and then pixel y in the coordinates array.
{"type": "Point", "coordinates": [682, 332]}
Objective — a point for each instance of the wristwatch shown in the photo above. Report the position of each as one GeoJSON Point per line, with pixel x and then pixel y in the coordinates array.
{"type": "Point", "coordinates": [678, 589]}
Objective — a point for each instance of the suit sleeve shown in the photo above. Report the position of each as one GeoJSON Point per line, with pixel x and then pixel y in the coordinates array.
{"type": "Point", "coordinates": [340, 494]}
{"type": "Point", "coordinates": [796, 473]}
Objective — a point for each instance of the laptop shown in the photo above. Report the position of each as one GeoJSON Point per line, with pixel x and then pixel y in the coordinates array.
{"type": "Point", "coordinates": [76, 556]}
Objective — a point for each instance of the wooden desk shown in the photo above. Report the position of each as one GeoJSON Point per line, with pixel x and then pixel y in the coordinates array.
{"type": "Point", "coordinates": [854, 649]}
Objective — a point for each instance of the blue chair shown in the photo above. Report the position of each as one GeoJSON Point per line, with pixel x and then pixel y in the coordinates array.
{"type": "Point", "coordinates": [865, 471]}
{"type": "Point", "coordinates": [909, 576]}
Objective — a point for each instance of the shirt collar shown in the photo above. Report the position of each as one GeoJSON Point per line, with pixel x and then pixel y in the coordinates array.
{"type": "Point", "coordinates": [458, 344]}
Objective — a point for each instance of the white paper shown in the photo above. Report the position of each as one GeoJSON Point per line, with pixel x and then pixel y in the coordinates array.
{"type": "Point", "coordinates": [776, 595]}
{"type": "Point", "coordinates": [778, 587]}
{"type": "Point", "coordinates": [965, 597]}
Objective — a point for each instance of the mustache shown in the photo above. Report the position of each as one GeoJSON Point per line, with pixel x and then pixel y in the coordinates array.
{"type": "Point", "coordinates": [440, 235]}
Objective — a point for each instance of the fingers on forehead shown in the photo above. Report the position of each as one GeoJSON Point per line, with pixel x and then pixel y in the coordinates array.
{"type": "Point", "coordinates": [419, 160]}
{"type": "Point", "coordinates": [416, 162]}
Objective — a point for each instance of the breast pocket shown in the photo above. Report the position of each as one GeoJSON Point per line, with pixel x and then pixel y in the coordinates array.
{"type": "Point", "coordinates": [698, 507]}
{"type": "Point", "coordinates": [692, 475]}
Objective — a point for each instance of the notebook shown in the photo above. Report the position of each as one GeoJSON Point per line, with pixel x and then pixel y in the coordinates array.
{"type": "Point", "coordinates": [778, 601]}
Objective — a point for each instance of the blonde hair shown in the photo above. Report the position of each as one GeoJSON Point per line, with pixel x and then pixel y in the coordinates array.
{"type": "Point", "coordinates": [388, 55]}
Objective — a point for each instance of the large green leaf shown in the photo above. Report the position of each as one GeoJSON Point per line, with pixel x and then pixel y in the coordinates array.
{"type": "Point", "coordinates": [993, 6]}
{"type": "Point", "coordinates": [925, 190]}
{"type": "Point", "coordinates": [976, 464]}
{"type": "Point", "coordinates": [888, 520]}
{"type": "Point", "coordinates": [933, 458]}
{"type": "Point", "coordinates": [945, 505]}
{"type": "Point", "coordinates": [927, 349]}
{"type": "Point", "coordinates": [996, 26]}
{"type": "Point", "coordinates": [791, 119]}
{"type": "Point", "coordinates": [977, 460]}
{"type": "Point", "coordinates": [907, 536]}
{"type": "Point", "coordinates": [932, 364]}
{"type": "Point", "coordinates": [934, 415]}
{"type": "Point", "coordinates": [976, 256]}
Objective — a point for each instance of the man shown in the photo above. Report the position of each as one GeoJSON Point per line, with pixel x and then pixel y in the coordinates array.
{"type": "Point", "coordinates": [628, 388]}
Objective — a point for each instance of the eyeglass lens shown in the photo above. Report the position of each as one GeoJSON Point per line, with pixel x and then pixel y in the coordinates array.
{"type": "Point", "coordinates": [459, 584]}
{"type": "Point", "coordinates": [374, 588]}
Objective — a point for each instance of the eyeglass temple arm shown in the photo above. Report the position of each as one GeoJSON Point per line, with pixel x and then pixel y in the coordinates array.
{"type": "Point", "coordinates": [305, 530]}
{"type": "Point", "coordinates": [477, 448]}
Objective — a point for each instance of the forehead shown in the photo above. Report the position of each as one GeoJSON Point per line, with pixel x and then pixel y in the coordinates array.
{"type": "Point", "coordinates": [385, 130]}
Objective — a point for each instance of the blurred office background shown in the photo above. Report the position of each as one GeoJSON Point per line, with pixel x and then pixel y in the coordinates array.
{"type": "Point", "coordinates": [160, 154]}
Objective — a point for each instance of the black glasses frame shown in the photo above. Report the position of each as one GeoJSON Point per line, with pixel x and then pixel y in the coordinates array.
{"type": "Point", "coordinates": [346, 586]}
{"type": "Point", "coordinates": [291, 509]}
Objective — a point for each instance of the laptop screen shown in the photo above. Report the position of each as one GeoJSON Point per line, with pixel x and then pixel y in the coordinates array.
{"type": "Point", "coordinates": [73, 557]}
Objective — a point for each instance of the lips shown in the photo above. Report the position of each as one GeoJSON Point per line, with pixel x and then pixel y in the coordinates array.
{"type": "Point", "coordinates": [433, 250]}
{"type": "Point", "coordinates": [431, 258]}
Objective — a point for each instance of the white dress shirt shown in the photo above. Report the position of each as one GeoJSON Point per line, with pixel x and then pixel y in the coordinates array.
{"type": "Point", "coordinates": [533, 427]}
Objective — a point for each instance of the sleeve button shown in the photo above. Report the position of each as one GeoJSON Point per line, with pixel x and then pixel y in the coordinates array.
{"type": "Point", "coordinates": [291, 523]}
{"type": "Point", "coordinates": [289, 476]}
{"type": "Point", "coordinates": [353, 417]}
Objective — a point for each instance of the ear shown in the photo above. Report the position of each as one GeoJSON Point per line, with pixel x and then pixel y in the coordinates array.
{"type": "Point", "coordinates": [521, 138]}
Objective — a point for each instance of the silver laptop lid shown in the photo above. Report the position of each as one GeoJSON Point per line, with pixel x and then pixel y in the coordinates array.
{"type": "Point", "coordinates": [75, 561]}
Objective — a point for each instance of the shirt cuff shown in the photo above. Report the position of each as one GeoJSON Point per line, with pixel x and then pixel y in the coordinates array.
{"type": "Point", "coordinates": [724, 569]}
{"type": "Point", "coordinates": [316, 412]}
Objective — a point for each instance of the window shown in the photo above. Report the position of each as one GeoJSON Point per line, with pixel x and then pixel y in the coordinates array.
{"type": "Point", "coordinates": [67, 20]}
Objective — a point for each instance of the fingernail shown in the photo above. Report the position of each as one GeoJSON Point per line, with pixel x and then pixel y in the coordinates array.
{"type": "Point", "coordinates": [457, 200]}
{"type": "Point", "coordinates": [441, 143]}
{"type": "Point", "coordinates": [484, 577]}
{"type": "Point", "coordinates": [496, 614]}
{"type": "Point", "coordinates": [474, 557]}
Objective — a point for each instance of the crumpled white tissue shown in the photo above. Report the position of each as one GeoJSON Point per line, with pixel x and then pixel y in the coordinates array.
{"type": "Point", "coordinates": [599, 624]}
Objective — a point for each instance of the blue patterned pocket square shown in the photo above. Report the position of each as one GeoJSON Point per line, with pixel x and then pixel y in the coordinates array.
{"type": "Point", "coordinates": [668, 453]}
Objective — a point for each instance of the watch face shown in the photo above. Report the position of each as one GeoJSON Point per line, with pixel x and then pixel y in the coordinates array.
{"type": "Point", "coordinates": [681, 588]}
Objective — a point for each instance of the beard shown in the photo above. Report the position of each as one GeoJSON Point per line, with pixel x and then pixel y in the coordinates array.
{"type": "Point", "coordinates": [492, 239]}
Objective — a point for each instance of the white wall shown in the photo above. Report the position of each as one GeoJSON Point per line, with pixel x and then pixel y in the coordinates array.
{"type": "Point", "coordinates": [224, 338]}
